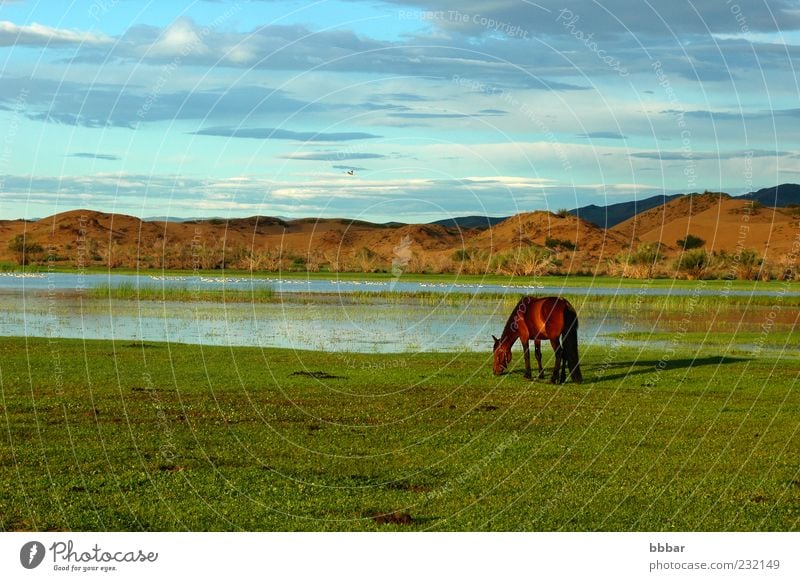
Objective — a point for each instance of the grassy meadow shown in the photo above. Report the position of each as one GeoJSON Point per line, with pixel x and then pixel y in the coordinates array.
{"type": "Point", "coordinates": [560, 281]}
{"type": "Point", "coordinates": [132, 436]}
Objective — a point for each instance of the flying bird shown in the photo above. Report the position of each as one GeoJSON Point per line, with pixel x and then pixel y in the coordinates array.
{"type": "Point", "coordinates": [350, 172]}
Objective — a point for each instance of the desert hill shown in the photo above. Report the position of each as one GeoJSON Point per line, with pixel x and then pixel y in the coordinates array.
{"type": "Point", "coordinates": [725, 224]}
{"type": "Point", "coordinates": [528, 243]}
{"type": "Point", "coordinates": [613, 214]}
{"type": "Point", "coordinates": [683, 206]}
{"type": "Point", "coordinates": [539, 227]}
{"type": "Point", "coordinates": [778, 196]}
{"type": "Point", "coordinates": [85, 237]}
{"type": "Point", "coordinates": [469, 222]}
{"type": "Point", "coordinates": [781, 196]}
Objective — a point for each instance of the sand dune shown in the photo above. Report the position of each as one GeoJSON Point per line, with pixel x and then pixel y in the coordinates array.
{"type": "Point", "coordinates": [85, 237]}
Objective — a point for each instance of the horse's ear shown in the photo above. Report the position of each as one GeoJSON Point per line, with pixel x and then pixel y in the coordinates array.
{"type": "Point", "coordinates": [495, 339]}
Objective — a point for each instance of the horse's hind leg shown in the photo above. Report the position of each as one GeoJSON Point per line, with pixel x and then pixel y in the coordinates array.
{"type": "Point", "coordinates": [558, 371]}
{"type": "Point", "coordinates": [537, 350]}
{"type": "Point", "coordinates": [526, 350]}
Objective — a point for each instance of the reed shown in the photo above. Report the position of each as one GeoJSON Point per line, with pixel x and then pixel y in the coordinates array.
{"type": "Point", "coordinates": [585, 303]}
{"type": "Point", "coordinates": [181, 293]}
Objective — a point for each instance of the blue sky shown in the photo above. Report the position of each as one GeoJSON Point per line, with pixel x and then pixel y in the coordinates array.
{"type": "Point", "coordinates": [441, 108]}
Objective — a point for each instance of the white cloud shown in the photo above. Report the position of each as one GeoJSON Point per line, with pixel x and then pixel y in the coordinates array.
{"type": "Point", "coordinates": [179, 39]}
{"type": "Point", "coordinates": [39, 35]}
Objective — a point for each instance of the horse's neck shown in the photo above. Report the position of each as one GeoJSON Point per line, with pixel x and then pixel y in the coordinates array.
{"type": "Point", "coordinates": [508, 337]}
{"type": "Point", "coordinates": [511, 332]}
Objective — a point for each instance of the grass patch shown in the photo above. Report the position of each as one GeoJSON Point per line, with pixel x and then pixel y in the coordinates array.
{"type": "Point", "coordinates": [565, 281]}
{"type": "Point", "coordinates": [113, 436]}
{"type": "Point", "coordinates": [586, 304]}
{"type": "Point", "coordinates": [787, 340]}
{"type": "Point", "coordinates": [181, 293]}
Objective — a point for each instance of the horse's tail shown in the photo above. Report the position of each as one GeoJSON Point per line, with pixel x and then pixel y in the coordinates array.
{"type": "Point", "coordinates": [569, 342]}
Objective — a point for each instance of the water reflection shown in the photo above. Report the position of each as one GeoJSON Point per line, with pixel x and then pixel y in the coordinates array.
{"type": "Point", "coordinates": [371, 327]}
{"type": "Point", "coordinates": [331, 320]}
{"type": "Point", "coordinates": [70, 281]}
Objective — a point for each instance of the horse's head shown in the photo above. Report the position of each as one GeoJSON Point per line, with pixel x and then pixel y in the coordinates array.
{"type": "Point", "coordinates": [502, 356]}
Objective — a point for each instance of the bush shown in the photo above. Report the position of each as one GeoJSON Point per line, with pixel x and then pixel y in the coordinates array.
{"type": "Point", "coordinates": [461, 255]}
{"type": "Point", "coordinates": [694, 263]}
{"type": "Point", "coordinates": [748, 264]}
{"type": "Point", "coordinates": [24, 249]}
{"type": "Point", "coordinates": [642, 262]}
{"type": "Point", "coordinates": [524, 261]}
{"type": "Point", "coordinates": [557, 243]}
{"type": "Point", "coordinates": [690, 242]}
{"type": "Point", "coordinates": [562, 213]}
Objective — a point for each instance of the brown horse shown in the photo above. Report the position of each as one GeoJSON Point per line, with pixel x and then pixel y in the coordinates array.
{"type": "Point", "coordinates": [551, 318]}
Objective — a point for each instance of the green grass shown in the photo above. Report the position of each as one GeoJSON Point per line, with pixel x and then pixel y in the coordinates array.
{"type": "Point", "coordinates": [557, 281]}
{"type": "Point", "coordinates": [788, 340]}
{"type": "Point", "coordinates": [183, 293]}
{"type": "Point", "coordinates": [130, 436]}
{"type": "Point", "coordinates": [586, 304]}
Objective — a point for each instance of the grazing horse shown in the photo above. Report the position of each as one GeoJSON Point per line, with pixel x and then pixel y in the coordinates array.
{"type": "Point", "coordinates": [551, 318]}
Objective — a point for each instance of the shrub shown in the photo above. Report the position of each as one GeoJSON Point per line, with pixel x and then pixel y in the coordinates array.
{"type": "Point", "coordinates": [642, 262]}
{"type": "Point", "coordinates": [748, 264]}
{"type": "Point", "coordinates": [24, 249]}
{"type": "Point", "coordinates": [524, 261]}
{"type": "Point", "coordinates": [558, 243]}
{"type": "Point", "coordinates": [690, 242]}
{"type": "Point", "coordinates": [693, 263]}
{"type": "Point", "coordinates": [462, 255]}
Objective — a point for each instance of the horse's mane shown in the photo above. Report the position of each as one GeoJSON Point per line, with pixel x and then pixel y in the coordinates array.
{"type": "Point", "coordinates": [511, 317]}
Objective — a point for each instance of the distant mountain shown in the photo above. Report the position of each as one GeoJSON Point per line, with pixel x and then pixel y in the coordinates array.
{"type": "Point", "coordinates": [608, 216]}
{"type": "Point", "coordinates": [777, 196]}
{"type": "Point", "coordinates": [179, 220]}
{"type": "Point", "coordinates": [467, 222]}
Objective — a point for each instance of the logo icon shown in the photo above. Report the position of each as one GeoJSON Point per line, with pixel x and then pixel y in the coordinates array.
{"type": "Point", "coordinates": [32, 554]}
{"type": "Point", "coordinates": [402, 256]}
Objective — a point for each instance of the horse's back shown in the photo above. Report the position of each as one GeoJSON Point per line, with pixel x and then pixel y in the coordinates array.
{"type": "Point", "coordinates": [545, 316]}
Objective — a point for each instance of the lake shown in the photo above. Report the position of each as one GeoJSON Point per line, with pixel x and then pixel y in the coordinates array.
{"type": "Point", "coordinates": [52, 305]}
{"type": "Point", "coordinates": [72, 281]}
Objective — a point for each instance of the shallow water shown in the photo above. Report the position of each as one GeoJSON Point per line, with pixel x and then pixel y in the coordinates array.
{"type": "Point", "coordinates": [51, 306]}
{"type": "Point", "coordinates": [60, 281]}
{"type": "Point", "coordinates": [328, 325]}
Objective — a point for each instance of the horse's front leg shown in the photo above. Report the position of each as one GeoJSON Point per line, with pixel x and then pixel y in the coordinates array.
{"type": "Point", "coordinates": [537, 349]}
{"type": "Point", "coordinates": [526, 350]}
{"type": "Point", "coordinates": [557, 372]}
